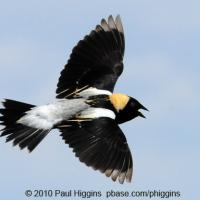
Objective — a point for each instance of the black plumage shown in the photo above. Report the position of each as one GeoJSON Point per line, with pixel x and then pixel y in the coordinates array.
{"type": "Point", "coordinates": [87, 112]}
{"type": "Point", "coordinates": [20, 134]}
{"type": "Point", "coordinates": [101, 144]}
{"type": "Point", "coordinates": [96, 61]}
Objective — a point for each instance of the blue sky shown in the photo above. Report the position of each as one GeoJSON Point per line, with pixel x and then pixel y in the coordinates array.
{"type": "Point", "coordinates": [161, 71]}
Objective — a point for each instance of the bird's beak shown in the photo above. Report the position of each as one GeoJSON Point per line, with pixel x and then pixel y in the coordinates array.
{"type": "Point", "coordinates": [141, 115]}
{"type": "Point", "coordinates": [144, 108]}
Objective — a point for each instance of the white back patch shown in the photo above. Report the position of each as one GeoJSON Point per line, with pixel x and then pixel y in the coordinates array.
{"type": "Point", "coordinates": [96, 113]}
{"type": "Point", "coordinates": [41, 117]}
{"type": "Point", "coordinates": [46, 116]}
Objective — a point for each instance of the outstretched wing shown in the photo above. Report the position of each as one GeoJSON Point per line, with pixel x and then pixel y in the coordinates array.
{"type": "Point", "coordinates": [101, 144]}
{"type": "Point", "coordinates": [96, 61]}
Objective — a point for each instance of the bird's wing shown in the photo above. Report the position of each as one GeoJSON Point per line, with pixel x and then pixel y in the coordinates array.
{"type": "Point", "coordinates": [96, 61]}
{"type": "Point", "coordinates": [101, 144]}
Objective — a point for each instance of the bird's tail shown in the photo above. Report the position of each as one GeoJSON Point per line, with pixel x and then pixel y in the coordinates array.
{"type": "Point", "coordinates": [20, 134]}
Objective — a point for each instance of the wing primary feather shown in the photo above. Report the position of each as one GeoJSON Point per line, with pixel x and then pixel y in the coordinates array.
{"type": "Point", "coordinates": [130, 170]}
{"type": "Point", "coordinates": [119, 26]}
{"type": "Point", "coordinates": [123, 170]}
{"type": "Point", "coordinates": [117, 34]}
{"type": "Point", "coordinates": [112, 163]}
{"type": "Point", "coordinates": [114, 31]}
{"type": "Point", "coordinates": [109, 31]}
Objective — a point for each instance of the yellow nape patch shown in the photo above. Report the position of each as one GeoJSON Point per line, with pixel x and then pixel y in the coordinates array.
{"type": "Point", "coordinates": [119, 101]}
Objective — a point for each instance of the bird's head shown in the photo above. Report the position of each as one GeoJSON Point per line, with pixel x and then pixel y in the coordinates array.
{"type": "Point", "coordinates": [126, 107]}
{"type": "Point", "coordinates": [134, 106]}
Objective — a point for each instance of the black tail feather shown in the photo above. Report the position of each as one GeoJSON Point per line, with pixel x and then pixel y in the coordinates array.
{"type": "Point", "coordinates": [20, 134]}
{"type": "Point", "coordinates": [12, 111]}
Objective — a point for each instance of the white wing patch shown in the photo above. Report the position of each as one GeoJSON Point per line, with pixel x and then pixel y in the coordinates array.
{"type": "Point", "coordinates": [93, 91]}
{"type": "Point", "coordinates": [96, 113]}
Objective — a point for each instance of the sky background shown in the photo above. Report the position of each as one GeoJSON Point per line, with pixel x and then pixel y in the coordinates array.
{"type": "Point", "coordinates": [162, 71]}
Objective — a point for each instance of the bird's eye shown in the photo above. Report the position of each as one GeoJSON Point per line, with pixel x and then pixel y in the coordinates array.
{"type": "Point", "coordinates": [132, 104]}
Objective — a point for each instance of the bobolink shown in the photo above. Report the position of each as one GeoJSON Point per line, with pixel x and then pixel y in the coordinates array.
{"type": "Point", "coordinates": [87, 112]}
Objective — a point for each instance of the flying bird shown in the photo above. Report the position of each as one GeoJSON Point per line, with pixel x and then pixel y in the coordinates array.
{"type": "Point", "coordinates": [86, 112]}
